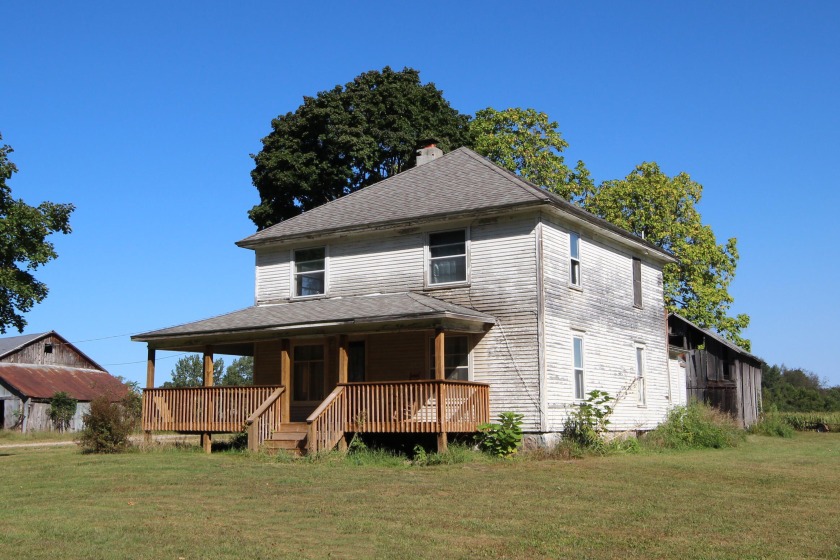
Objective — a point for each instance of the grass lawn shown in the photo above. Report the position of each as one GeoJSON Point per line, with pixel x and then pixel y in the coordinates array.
{"type": "Point", "coordinates": [769, 498]}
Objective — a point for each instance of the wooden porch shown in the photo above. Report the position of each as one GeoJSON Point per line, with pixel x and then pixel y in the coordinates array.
{"type": "Point", "coordinates": [428, 406]}
{"type": "Point", "coordinates": [440, 406]}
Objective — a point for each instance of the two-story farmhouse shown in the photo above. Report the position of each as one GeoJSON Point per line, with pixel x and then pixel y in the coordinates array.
{"type": "Point", "coordinates": [430, 302]}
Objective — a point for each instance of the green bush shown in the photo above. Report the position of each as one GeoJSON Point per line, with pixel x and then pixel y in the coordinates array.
{"type": "Point", "coordinates": [455, 454]}
{"type": "Point", "coordinates": [504, 438]}
{"type": "Point", "coordinates": [588, 421]}
{"type": "Point", "coordinates": [107, 428]}
{"type": "Point", "coordinates": [771, 424]}
{"type": "Point", "coordinates": [695, 426]}
{"type": "Point", "coordinates": [62, 409]}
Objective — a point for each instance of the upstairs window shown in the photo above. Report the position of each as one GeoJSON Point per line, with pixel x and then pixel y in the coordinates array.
{"type": "Point", "coordinates": [574, 257]}
{"type": "Point", "coordinates": [448, 257]}
{"type": "Point", "coordinates": [637, 282]}
{"type": "Point", "coordinates": [310, 272]}
{"type": "Point", "coordinates": [577, 350]}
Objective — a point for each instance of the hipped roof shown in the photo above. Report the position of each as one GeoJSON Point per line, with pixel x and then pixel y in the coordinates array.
{"type": "Point", "coordinates": [43, 381]}
{"type": "Point", "coordinates": [346, 312]}
{"type": "Point", "coordinates": [460, 182]}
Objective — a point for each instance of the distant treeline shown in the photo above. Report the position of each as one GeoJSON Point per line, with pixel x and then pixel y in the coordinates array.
{"type": "Point", "coordinates": [796, 390]}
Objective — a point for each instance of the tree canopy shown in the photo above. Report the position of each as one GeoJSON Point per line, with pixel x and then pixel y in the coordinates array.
{"type": "Point", "coordinates": [24, 246]}
{"type": "Point", "coordinates": [350, 137]}
{"type": "Point", "coordinates": [189, 372]}
{"type": "Point", "coordinates": [663, 210]}
{"type": "Point", "coordinates": [796, 390]}
{"type": "Point", "coordinates": [353, 136]}
{"type": "Point", "coordinates": [527, 143]}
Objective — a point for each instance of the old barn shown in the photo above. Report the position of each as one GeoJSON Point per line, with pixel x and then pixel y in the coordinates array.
{"type": "Point", "coordinates": [35, 367]}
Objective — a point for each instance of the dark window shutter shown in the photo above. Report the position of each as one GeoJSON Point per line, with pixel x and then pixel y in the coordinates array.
{"type": "Point", "coordinates": [637, 282]}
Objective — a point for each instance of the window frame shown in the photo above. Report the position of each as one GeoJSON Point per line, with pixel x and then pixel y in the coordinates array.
{"type": "Point", "coordinates": [427, 260]}
{"type": "Point", "coordinates": [293, 273]}
{"type": "Point", "coordinates": [637, 282]}
{"type": "Point", "coordinates": [640, 367]}
{"type": "Point", "coordinates": [579, 387]}
{"type": "Point", "coordinates": [574, 261]}
{"type": "Point", "coordinates": [431, 358]}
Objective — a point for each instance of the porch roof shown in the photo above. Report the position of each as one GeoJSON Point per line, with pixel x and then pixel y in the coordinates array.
{"type": "Point", "coordinates": [381, 312]}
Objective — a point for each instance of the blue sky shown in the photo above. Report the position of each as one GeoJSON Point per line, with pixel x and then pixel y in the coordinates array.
{"type": "Point", "coordinates": [143, 115]}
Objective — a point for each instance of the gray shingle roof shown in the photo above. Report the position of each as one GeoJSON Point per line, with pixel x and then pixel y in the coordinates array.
{"type": "Point", "coordinates": [11, 343]}
{"type": "Point", "coordinates": [360, 309]}
{"type": "Point", "coordinates": [458, 182]}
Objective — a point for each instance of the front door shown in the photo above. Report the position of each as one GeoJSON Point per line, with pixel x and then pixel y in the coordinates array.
{"type": "Point", "coordinates": [356, 361]}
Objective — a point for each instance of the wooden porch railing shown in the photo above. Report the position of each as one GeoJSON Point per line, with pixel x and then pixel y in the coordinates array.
{"type": "Point", "coordinates": [264, 421]}
{"type": "Point", "coordinates": [328, 422]}
{"type": "Point", "coordinates": [202, 409]}
{"type": "Point", "coordinates": [430, 406]}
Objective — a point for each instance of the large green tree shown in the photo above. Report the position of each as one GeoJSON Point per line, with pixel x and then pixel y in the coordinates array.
{"type": "Point", "coordinates": [24, 246]}
{"type": "Point", "coordinates": [350, 137]}
{"type": "Point", "coordinates": [663, 210]}
{"type": "Point", "coordinates": [528, 143]}
{"type": "Point", "coordinates": [189, 371]}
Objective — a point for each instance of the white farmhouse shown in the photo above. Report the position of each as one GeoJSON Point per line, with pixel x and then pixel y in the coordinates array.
{"type": "Point", "coordinates": [430, 302]}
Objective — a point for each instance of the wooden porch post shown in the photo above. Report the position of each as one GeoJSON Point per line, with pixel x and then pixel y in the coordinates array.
{"type": "Point", "coordinates": [206, 440]}
{"type": "Point", "coordinates": [440, 375]}
{"type": "Point", "coordinates": [150, 382]}
{"type": "Point", "coordinates": [343, 360]}
{"type": "Point", "coordinates": [285, 380]}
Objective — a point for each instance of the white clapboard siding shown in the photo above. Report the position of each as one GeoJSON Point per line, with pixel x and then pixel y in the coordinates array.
{"type": "Point", "coordinates": [504, 285]}
{"type": "Point", "coordinates": [273, 274]}
{"type": "Point", "coordinates": [602, 310]}
{"type": "Point", "coordinates": [385, 264]}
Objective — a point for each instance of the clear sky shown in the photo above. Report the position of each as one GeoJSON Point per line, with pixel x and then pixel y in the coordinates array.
{"type": "Point", "coordinates": [144, 114]}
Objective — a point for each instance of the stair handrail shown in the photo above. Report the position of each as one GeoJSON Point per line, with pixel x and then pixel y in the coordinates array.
{"type": "Point", "coordinates": [254, 421]}
{"type": "Point", "coordinates": [314, 431]}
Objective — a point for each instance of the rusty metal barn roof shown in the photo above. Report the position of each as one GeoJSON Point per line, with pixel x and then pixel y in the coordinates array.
{"type": "Point", "coordinates": [42, 382]}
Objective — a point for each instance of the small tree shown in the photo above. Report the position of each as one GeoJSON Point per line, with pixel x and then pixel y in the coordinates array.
{"type": "Point", "coordinates": [240, 372]}
{"type": "Point", "coordinates": [62, 409]}
{"type": "Point", "coordinates": [189, 371]}
{"type": "Point", "coordinates": [107, 427]}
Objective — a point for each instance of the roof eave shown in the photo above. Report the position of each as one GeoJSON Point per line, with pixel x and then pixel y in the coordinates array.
{"type": "Point", "coordinates": [390, 224]}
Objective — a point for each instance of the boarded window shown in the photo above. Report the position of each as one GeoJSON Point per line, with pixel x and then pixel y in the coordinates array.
{"type": "Point", "coordinates": [448, 257]}
{"type": "Point", "coordinates": [637, 282]}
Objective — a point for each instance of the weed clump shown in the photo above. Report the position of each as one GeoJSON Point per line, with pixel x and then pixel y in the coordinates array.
{"type": "Point", "coordinates": [107, 428]}
{"type": "Point", "coordinates": [696, 426]}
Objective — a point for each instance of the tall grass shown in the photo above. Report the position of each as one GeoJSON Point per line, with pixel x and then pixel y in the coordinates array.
{"type": "Point", "coordinates": [802, 421]}
{"type": "Point", "coordinates": [695, 426]}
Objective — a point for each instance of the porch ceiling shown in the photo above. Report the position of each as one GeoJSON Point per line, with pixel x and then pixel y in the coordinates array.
{"type": "Point", "coordinates": [376, 313]}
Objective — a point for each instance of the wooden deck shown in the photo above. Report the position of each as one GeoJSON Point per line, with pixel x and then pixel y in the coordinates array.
{"type": "Point", "coordinates": [429, 406]}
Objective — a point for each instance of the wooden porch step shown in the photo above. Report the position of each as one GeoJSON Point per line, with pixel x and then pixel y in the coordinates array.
{"type": "Point", "coordinates": [290, 437]}
{"type": "Point", "coordinates": [292, 427]}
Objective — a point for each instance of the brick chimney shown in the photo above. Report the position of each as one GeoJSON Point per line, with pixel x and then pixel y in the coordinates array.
{"type": "Point", "coordinates": [428, 152]}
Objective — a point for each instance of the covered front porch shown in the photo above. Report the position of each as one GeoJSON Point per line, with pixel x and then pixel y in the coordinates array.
{"type": "Point", "coordinates": [397, 364]}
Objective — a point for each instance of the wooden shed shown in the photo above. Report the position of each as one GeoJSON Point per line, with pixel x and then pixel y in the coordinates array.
{"type": "Point", "coordinates": [716, 370]}
{"type": "Point", "coordinates": [35, 367]}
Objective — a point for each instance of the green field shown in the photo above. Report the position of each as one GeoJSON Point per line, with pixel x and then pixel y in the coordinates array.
{"type": "Point", "coordinates": [769, 498]}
